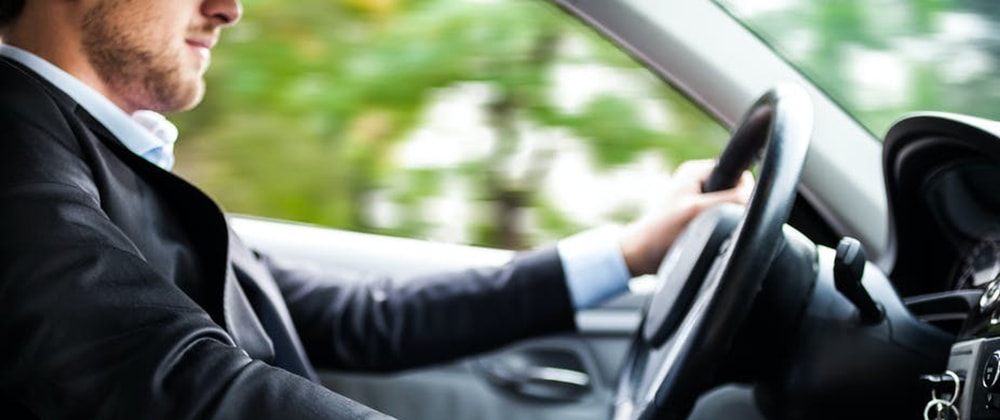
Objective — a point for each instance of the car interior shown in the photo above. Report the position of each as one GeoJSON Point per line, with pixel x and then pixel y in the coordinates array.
{"type": "Point", "coordinates": [862, 280]}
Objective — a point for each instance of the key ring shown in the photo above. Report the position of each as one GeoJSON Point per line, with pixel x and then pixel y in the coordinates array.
{"type": "Point", "coordinates": [940, 405]}
{"type": "Point", "coordinates": [954, 395]}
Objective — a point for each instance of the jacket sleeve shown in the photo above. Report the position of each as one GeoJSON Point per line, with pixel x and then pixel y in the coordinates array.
{"type": "Point", "coordinates": [377, 323]}
{"type": "Point", "coordinates": [90, 330]}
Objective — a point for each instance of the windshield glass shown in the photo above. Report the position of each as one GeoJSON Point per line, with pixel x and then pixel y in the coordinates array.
{"type": "Point", "coordinates": [881, 59]}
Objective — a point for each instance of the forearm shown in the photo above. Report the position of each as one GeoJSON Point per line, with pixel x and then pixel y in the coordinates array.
{"type": "Point", "coordinates": [386, 324]}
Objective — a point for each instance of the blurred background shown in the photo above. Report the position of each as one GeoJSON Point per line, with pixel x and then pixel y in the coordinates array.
{"type": "Point", "coordinates": [880, 59]}
{"type": "Point", "coordinates": [505, 123]}
{"type": "Point", "coordinates": [496, 123]}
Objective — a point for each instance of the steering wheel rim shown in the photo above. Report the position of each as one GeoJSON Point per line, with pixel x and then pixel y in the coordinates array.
{"type": "Point", "coordinates": [672, 357]}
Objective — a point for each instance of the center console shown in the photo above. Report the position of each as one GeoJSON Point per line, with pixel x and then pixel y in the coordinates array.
{"type": "Point", "coordinates": [975, 358]}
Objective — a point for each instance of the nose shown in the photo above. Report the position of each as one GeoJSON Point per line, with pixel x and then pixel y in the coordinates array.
{"type": "Point", "coordinates": [222, 12]}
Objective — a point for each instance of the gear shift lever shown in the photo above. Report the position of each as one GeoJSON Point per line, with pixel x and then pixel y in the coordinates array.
{"type": "Point", "coordinates": [848, 270]}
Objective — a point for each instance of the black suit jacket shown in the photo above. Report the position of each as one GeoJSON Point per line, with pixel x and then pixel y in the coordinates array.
{"type": "Point", "coordinates": [124, 294]}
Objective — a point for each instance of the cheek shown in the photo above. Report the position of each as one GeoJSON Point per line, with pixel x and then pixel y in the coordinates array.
{"type": "Point", "coordinates": [156, 31]}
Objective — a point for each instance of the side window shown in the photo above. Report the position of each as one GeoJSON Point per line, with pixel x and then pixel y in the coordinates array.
{"type": "Point", "coordinates": [501, 123]}
{"type": "Point", "coordinates": [929, 56]}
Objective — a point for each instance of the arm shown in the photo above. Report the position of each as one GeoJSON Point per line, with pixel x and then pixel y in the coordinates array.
{"type": "Point", "coordinates": [382, 324]}
{"type": "Point", "coordinates": [379, 324]}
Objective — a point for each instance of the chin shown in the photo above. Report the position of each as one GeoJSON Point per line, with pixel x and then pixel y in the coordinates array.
{"type": "Point", "coordinates": [184, 98]}
{"type": "Point", "coordinates": [193, 102]}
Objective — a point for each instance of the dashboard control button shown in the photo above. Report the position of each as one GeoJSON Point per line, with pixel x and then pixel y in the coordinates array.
{"type": "Point", "coordinates": [988, 300]}
{"type": "Point", "coordinates": [991, 370]}
{"type": "Point", "coordinates": [993, 401]}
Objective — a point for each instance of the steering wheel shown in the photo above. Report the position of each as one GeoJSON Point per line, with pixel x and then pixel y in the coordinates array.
{"type": "Point", "coordinates": [710, 276]}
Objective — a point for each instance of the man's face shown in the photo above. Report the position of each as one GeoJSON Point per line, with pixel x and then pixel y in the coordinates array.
{"type": "Point", "coordinates": [152, 54]}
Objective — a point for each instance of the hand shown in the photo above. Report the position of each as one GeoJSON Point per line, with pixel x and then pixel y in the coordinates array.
{"type": "Point", "coordinates": [645, 242]}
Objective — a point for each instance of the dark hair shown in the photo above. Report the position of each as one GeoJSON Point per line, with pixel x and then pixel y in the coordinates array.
{"type": "Point", "coordinates": [9, 11]}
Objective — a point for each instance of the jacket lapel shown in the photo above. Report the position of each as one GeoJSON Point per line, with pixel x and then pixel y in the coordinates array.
{"type": "Point", "coordinates": [207, 226]}
{"type": "Point", "coordinates": [240, 297]}
{"type": "Point", "coordinates": [268, 304]}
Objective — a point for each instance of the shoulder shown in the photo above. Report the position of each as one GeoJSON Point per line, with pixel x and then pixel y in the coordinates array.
{"type": "Point", "coordinates": [27, 99]}
{"type": "Point", "coordinates": [40, 135]}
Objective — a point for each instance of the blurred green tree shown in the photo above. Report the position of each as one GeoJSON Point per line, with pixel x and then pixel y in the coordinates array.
{"type": "Point", "coordinates": [309, 101]}
{"type": "Point", "coordinates": [883, 59]}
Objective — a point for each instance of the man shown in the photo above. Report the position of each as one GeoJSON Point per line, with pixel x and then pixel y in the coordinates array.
{"type": "Point", "coordinates": [124, 293]}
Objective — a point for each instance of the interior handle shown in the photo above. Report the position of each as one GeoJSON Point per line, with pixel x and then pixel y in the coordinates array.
{"type": "Point", "coordinates": [526, 375]}
{"type": "Point", "coordinates": [559, 376]}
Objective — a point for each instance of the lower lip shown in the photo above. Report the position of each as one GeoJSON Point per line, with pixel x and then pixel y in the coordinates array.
{"type": "Point", "coordinates": [204, 53]}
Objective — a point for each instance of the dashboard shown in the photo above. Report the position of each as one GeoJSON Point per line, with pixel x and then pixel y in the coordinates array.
{"type": "Point", "coordinates": [964, 198]}
{"type": "Point", "coordinates": [942, 173]}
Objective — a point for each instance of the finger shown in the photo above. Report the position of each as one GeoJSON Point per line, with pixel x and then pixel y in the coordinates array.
{"type": "Point", "coordinates": [738, 195]}
{"type": "Point", "coordinates": [744, 185]}
{"type": "Point", "coordinates": [691, 175]}
{"type": "Point", "coordinates": [746, 182]}
{"type": "Point", "coordinates": [695, 170]}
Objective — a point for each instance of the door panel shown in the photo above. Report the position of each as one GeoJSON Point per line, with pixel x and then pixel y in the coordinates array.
{"type": "Point", "coordinates": [466, 390]}
{"type": "Point", "coordinates": [478, 387]}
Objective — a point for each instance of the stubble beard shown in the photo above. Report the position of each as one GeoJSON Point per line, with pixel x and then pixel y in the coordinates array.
{"type": "Point", "coordinates": [135, 73]}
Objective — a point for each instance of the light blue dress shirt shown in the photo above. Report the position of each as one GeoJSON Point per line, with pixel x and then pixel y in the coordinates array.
{"type": "Point", "coordinates": [594, 265]}
{"type": "Point", "coordinates": [592, 260]}
{"type": "Point", "coordinates": [146, 134]}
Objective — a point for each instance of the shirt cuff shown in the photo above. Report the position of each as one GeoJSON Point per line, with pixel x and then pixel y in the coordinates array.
{"type": "Point", "coordinates": [594, 265]}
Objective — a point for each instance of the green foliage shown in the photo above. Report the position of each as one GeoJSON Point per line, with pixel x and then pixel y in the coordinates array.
{"type": "Point", "coordinates": [310, 101]}
{"type": "Point", "coordinates": [937, 55]}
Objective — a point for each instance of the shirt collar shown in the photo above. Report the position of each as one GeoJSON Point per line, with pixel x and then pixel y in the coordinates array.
{"type": "Point", "coordinates": [143, 132]}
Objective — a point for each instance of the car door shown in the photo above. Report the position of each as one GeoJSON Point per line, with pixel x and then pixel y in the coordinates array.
{"type": "Point", "coordinates": [568, 376]}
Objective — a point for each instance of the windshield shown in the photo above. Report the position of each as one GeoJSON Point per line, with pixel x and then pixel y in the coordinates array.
{"type": "Point", "coordinates": [882, 59]}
